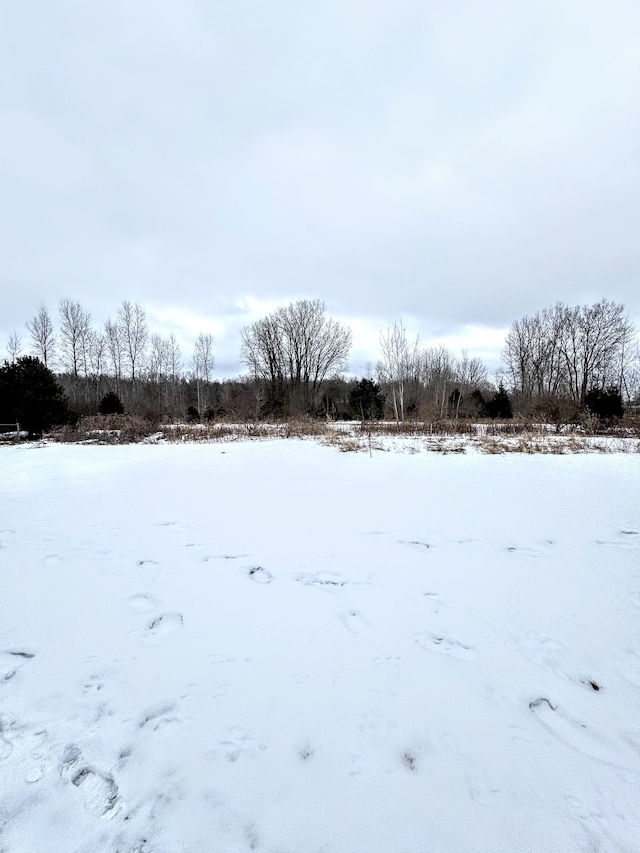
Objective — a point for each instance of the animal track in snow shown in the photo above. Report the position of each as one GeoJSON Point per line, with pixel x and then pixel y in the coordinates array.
{"type": "Point", "coordinates": [207, 558]}
{"type": "Point", "coordinates": [409, 760]}
{"type": "Point", "coordinates": [480, 793]}
{"type": "Point", "coordinates": [359, 766]}
{"type": "Point", "coordinates": [306, 752]}
{"type": "Point", "coordinates": [99, 789]}
{"type": "Point", "coordinates": [93, 684]}
{"type": "Point", "coordinates": [236, 744]}
{"type": "Point", "coordinates": [386, 661]}
{"type": "Point", "coordinates": [445, 646]}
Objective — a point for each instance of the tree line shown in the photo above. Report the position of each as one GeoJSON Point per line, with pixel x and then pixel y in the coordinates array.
{"type": "Point", "coordinates": [556, 363]}
{"type": "Point", "coordinates": [567, 351]}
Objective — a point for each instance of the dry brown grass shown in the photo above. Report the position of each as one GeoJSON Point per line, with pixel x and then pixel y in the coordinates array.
{"type": "Point", "coordinates": [409, 437]}
{"type": "Point", "coordinates": [104, 429]}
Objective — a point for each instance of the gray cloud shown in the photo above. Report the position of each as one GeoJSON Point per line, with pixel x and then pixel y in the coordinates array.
{"type": "Point", "coordinates": [456, 165]}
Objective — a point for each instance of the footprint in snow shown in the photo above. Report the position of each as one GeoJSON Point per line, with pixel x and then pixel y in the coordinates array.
{"type": "Point", "coordinates": [99, 789]}
{"type": "Point", "coordinates": [355, 622]}
{"type": "Point", "coordinates": [157, 716]}
{"type": "Point", "coordinates": [260, 575]}
{"type": "Point", "coordinates": [480, 793]}
{"type": "Point", "coordinates": [526, 552]}
{"type": "Point", "coordinates": [545, 652]}
{"type": "Point", "coordinates": [207, 558]}
{"type": "Point", "coordinates": [435, 601]}
{"type": "Point", "coordinates": [604, 825]}
{"type": "Point", "coordinates": [360, 767]}
{"type": "Point", "coordinates": [6, 747]}
{"type": "Point", "coordinates": [142, 602]}
{"type": "Point", "coordinates": [416, 544]}
{"type": "Point", "coordinates": [389, 660]}
{"type": "Point", "coordinates": [11, 661]}
{"type": "Point", "coordinates": [445, 646]}
{"type": "Point", "coordinates": [161, 627]}
{"type": "Point", "coordinates": [571, 731]}
{"type": "Point", "coordinates": [326, 580]}
{"type": "Point", "coordinates": [236, 744]}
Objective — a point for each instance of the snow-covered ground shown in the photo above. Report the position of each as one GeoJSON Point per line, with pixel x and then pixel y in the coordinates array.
{"type": "Point", "coordinates": [275, 646]}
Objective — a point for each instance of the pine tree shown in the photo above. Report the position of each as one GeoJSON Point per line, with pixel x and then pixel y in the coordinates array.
{"type": "Point", "coordinates": [31, 396]}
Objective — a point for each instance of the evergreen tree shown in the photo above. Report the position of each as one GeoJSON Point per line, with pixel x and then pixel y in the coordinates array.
{"type": "Point", "coordinates": [31, 396]}
{"type": "Point", "coordinates": [499, 406]}
{"type": "Point", "coordinates": [366, 401]}
{"type": "Point", "coordinates": [605, 403]}
{"type": "Point", "coordinates": [111, 404]}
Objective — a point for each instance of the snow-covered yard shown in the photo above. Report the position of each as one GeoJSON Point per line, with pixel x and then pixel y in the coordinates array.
{"type": "Point", "coordinates": [278, 647]}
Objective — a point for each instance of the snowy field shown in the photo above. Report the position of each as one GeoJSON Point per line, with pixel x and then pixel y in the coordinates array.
{"type": "Point", "coordinates": [278, 647]}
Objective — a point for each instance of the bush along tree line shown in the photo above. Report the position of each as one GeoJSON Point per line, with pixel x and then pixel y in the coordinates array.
{"type": "Point", "coordinates": [559, 364]}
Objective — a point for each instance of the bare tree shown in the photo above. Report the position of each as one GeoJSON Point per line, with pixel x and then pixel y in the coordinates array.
{"type": "Point", "coordinates": [114, 350]}
{"type": "Point", "coordinates": [14, 347]}
{"type": "Point", "coordinates": [295, 348]}
{"type": "Point", "coordinates": [164, 367]}
{"type": "Point", "coordinates": [399, 364]}
{"type": "Point", "coordinates": [313, 345]}
{"type": "Point", "coordinates": [203, 364]}
{"type": "Point", "coordinates": [96, 360]}
{"type": "Point", "coordinates": [592, 346]}
{"type": "Point", "coordinates": [262, 352]}
{"type": "Point", "coordinates": [132, 324]}
{"type": "Point", "coordinates": [42, 336]}
{"type": "Point", "coordinates": [470, 374]}
{"type": "Point", "coordinates": [439, 373]}
{"type": "Point", "coordinates": [174, 357]}
{"type": "Point", "coordinates": [75, 328]}
{"type": "Point", "coordinates": [567, 350]}
{"type": "Point", "coordinates": [158, 358]}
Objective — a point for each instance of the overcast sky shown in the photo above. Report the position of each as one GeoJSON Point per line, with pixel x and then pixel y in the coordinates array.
{"type": "Point", "coordinates": [454, 163]}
